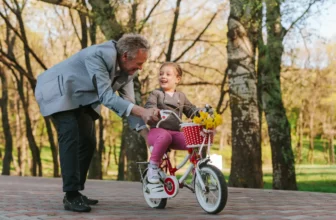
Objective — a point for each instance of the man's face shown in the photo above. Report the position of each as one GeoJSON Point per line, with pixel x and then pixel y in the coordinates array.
{"type": "Point", "coordinates": [132, 65]}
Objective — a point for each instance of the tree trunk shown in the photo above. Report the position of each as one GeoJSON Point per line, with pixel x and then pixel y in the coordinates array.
{"type": "Point", "coordinates": [134, 145]}
{"type": "Point", "coordinates": [300, 141]}
{"type": "Point", "coordinates": [332, 150]}
{"type": "Point", "coordinates": [134, 154]}
{"type": "Point", "coordinates": [122, 154]}
{"type": "Point", "coordinates": [311, 139]}
{"type": "Point", "coordinates": [6, 126]}
{"type": "Point", "coordinates": [18, 136]}
{"type": "Point", "coordinates": [105, 17]}
{"type": "Point", "coordinates": [173, 31]}
{"type": "Point", "coordinates": [95, 170]}
{"type": "Point", "coordinates": [53, 148]}
{"type": "Point", "coordinates": [246, 169]}
{"type": "Point", "coordinates": [325, 144]}
{"type": "Point", "coordinates": [36, 168]}
{"type": "Point", "coordinates": [278, 125]}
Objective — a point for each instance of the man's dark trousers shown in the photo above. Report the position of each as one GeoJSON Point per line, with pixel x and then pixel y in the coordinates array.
{"type": "Point", "coordinates": [76, 140]}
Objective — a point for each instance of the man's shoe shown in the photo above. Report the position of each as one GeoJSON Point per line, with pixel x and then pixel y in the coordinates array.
{"type": "Point", "coordinates": [89, 201]}
{"type": "Point", "coordinates": [77, 204]}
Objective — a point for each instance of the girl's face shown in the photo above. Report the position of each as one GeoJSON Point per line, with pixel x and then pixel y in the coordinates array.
{"type": "Point", "coordinates": [168, 78]}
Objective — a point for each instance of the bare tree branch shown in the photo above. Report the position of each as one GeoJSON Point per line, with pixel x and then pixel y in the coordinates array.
{"type": "Point", "coordinates": [197, 38]}
{"type": "Point", "coordinates": [220, 111]}
{"type": "Point", "coordinates": [199, 84]}
{"type": "Point", "coordinates": [201, 66]}
{"type": "Point", "coordinates": [300, 17]}
{"type": "Point", "coordinates": [19, 35]}
{"type": "Point", "coordinates": [12, 63]}
{"type": "Point", "coordinates": [173, 31]}
{"type": "Point", "coordinates": [74, 26]}
{"type": "Point", "coordinates": [193, 75]}
{"type": "Point", "coordinates": [222, 94]}
{"type": "Point", "coordinates": [69, 4]}
{"type": "Point", "coordinates": [144, 21]}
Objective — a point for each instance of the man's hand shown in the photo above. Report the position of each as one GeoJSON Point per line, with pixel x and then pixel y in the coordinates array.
{"type": "Point", "coordinates": [150, 115]}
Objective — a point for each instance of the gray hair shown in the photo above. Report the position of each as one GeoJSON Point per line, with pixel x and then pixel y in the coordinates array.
{"type": "Point", "coordinates": [131, 43]}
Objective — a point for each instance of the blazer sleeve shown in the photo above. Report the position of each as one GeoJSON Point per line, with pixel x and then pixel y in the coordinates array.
{"type": "Point", "coordinates": [127, 93]}
{"type": "Point", "coordinates": [189, 109]}
{"type": "Point", "coordinates": [99, 75]}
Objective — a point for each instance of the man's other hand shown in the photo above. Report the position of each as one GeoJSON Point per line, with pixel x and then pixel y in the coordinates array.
{"type": "Point", "coordinates": [151, 115]}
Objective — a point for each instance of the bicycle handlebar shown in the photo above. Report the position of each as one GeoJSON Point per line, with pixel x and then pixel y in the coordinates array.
{"type": "Point", "coordinates": [164, 114]}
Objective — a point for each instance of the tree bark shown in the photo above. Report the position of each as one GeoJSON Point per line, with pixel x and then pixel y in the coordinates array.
{"type": "Point", "coordinates": [18, 131]}
{"type": "Point", "coordinates": [122, 154]}
{"type": "Point", "coordinates": [95, 170]}
{"type": "Point", "coordinates": [104, 14]}
{"type": "Point", "coordinates": [332, 150]}
{"type": "Point", "coordinates": [53, 147]}
{"type": "Point", "coordinates": [300, 136]}
{"type": "Point", "coordinates": [246, 169]}
{"type": "Point", "coordinates": [278, 125]}
{"type": "Point", "coordinates": [311, 139]}
{"type": "Point", "coordinates": [173, 31]}
{"type": "Point", "coordinates": [134, 145]}
{"type": "Point", "coordinates": [36, 168]}
{"type": "Point", "coordinates": [8, 157]}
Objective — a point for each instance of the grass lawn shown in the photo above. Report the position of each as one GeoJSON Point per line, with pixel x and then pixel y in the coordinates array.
{"type": "Point", "coordinates": [313, 178]}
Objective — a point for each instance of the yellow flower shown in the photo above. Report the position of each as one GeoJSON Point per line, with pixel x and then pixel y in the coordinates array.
{"type": "Point", "coordinates": [207, 120]}
{"type": "Point", "coordinates": [197, 120]}
{"type": "Point", "coordinates": [209, 124]}
{"type": "Point", "coordinates": [203, 115]}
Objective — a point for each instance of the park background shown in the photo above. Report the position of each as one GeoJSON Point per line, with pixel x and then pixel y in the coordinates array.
{"type": "Point", "coordinates": [268, 67]}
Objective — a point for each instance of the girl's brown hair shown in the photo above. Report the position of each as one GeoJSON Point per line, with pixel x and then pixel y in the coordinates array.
{"type": "Point", "coordinates": [175, 65]}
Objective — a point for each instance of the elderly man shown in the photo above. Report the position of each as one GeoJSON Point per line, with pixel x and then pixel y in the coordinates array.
{"type": "Point", "coordinates": [72, 91]}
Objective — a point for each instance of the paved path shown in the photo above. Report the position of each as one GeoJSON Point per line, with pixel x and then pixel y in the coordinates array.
{"type": "Point", "coordinates": [40, 198]}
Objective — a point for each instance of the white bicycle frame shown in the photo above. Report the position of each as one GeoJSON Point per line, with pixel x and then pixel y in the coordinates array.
{"type": "Point", "coordinates": [164, 115]}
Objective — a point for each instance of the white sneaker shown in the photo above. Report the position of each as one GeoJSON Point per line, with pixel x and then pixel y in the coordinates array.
{"type": "Point", "coordinates": [153, 174]}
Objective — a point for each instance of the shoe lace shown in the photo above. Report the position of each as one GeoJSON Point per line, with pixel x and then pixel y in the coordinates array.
{"type": "Point", "coordinates": [154, 172]}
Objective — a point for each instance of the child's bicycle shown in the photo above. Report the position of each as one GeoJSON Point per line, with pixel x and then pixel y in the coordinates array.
{"type": "Point", "coordinates": [207, 182]}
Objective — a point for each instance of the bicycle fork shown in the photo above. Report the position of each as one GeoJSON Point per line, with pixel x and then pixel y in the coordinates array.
{"type": "Point", "coordinates": [198, 174]}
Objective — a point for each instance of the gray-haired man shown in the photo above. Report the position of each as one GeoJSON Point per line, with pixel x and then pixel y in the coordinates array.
{"type": "Point", "coordinates": [72, 92]}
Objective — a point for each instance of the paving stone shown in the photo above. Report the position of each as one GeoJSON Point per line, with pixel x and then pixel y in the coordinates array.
{"type": "Point", "coordinates": [36, 198]}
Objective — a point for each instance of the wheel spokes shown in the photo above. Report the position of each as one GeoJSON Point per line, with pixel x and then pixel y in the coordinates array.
{"type": "Point", "coordinates": [210, 197]}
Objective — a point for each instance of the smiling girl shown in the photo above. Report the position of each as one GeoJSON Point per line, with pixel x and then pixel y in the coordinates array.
{"type": "Point", "coordinates": [168, 135]}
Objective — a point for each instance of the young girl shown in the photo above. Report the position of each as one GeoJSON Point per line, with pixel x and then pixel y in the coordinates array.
{"type": "Point", "coordinates": [168, 134]}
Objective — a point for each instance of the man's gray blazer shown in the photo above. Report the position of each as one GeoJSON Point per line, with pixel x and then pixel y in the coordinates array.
{"type": "Point", "coordinates": [85, 79]}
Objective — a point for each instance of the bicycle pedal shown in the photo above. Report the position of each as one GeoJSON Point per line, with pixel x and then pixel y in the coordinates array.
{"type": "Point", "coordinates": [154, 188]}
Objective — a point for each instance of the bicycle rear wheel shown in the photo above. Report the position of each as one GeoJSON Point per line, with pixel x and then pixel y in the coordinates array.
{"type": "Point", "coordinates": [153, 203]}
{"type": "Point", "coordinates": [214, 199]}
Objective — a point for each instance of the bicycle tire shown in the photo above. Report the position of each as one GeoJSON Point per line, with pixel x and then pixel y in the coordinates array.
{"type": "Point", "coordinates": [220, 201]}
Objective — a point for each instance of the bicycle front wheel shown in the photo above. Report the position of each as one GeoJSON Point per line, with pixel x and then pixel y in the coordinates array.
{"type": "Point", "coordinates": [214, 198]}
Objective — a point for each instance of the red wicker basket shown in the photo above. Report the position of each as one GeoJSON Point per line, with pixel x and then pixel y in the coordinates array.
{"type": "Point", "coordinates": [194, 134]}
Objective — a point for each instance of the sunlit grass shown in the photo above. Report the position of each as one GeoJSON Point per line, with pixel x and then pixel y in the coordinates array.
{"type": "Point", "coordinates": [313, 178]}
